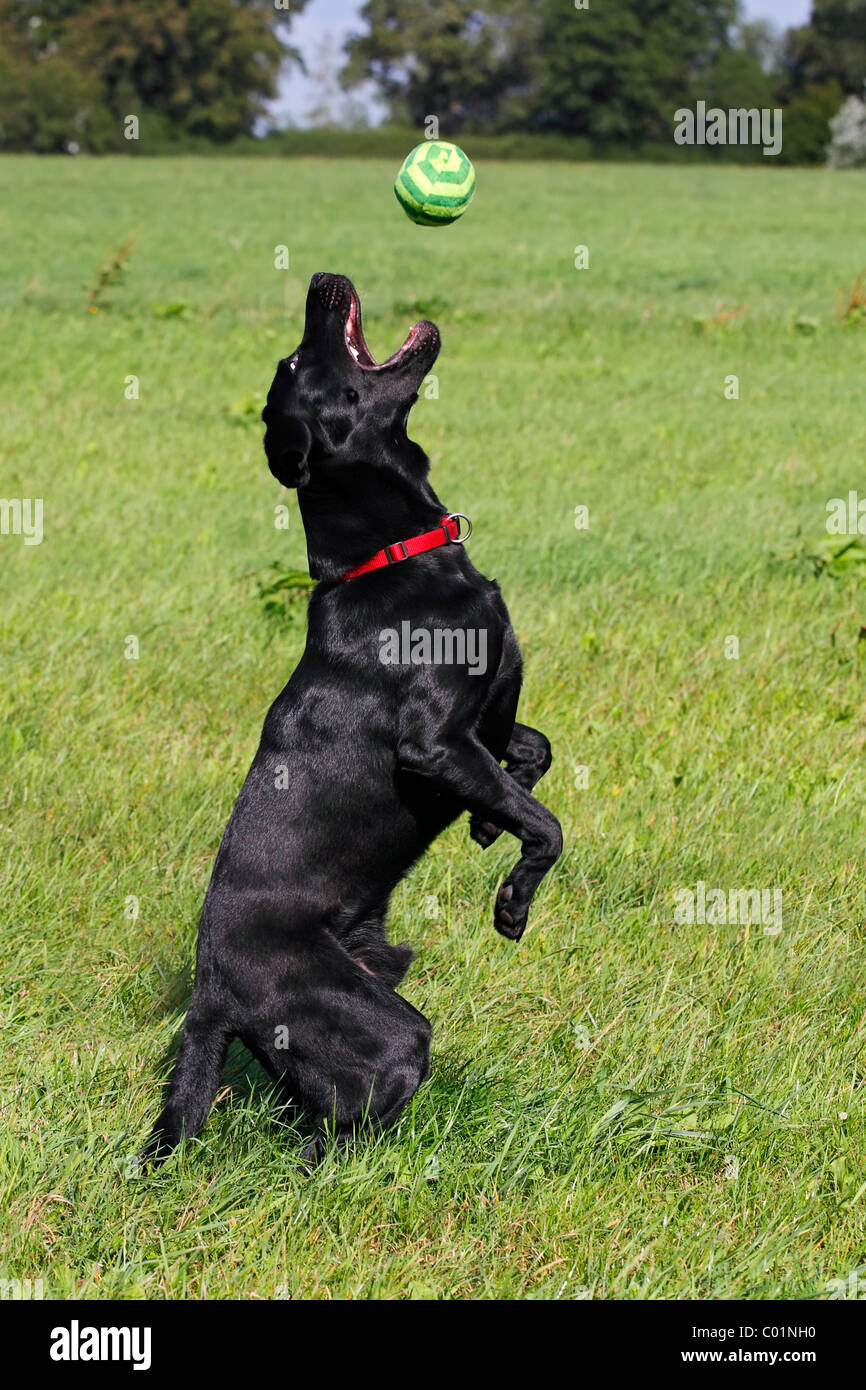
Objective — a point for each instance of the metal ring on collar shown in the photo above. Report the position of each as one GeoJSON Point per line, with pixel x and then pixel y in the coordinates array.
{"type": "Point", "coordinates": [461, 516]}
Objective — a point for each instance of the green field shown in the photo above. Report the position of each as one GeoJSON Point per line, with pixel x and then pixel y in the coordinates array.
{"type": "Point", "coordinates": [621, 1106]}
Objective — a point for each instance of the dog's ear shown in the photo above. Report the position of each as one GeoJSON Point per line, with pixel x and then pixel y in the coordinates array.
{"type": "Point", "coordinates": [287, 447]}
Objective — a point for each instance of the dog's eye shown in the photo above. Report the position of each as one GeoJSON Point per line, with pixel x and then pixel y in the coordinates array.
{"type": "Point", "coordinates": [351, 395]}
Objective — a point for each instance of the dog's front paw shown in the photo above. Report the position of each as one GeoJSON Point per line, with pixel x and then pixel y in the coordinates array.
{"type": "Point", "coordinates": [483, 832]}
{"type": "Point", "coordinates": [509, 918]}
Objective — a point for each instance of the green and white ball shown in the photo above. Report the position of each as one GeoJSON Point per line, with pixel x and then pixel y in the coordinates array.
{"type": "Point", "coordinates": [435, 183]}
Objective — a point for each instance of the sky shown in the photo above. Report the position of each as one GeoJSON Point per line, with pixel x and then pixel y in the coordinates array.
{"type": "Point", "coordinates": [320, 31]}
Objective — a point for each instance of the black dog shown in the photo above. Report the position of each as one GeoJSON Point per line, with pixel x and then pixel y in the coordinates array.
{"type": "Point", "coordinates": [361, 763]}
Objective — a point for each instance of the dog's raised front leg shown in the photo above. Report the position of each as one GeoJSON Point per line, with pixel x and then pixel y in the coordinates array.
{"type": "Point", "coordinates": [527, 758]}
{"type": "Point", "coordinates": [459, 766]}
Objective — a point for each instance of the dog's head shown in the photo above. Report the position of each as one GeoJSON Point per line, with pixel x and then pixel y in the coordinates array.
{"type": "Point", "coordinates": [331, 400]}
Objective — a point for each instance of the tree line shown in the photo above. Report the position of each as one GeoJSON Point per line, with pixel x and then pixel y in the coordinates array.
{"type": "Point", "coordinates": [608, 71]}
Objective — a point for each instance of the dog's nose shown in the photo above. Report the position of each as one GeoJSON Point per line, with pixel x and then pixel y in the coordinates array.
{"type": "Point", "coordinates": [332, 291]}
{"type": "Point", "coordinates": [320, 285]}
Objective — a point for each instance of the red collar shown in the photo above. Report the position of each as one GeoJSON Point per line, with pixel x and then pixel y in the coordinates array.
{"type": "Point", "coordinates": [446, 533]}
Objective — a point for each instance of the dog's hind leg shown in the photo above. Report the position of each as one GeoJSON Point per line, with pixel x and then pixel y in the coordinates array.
{"type": "Point", "coordinates": [343, 1045]}
{"type": "Point", "coordinates": [527, 759]}
{"type": "Point", "coordinates": [194, 1083]}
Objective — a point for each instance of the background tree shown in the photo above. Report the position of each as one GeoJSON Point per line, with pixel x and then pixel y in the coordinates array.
{"type": "Point", "coordinates": [806, 123]}
{"type": "Point", "coordinates": [616, 72]}
{"type": "Point", "coordinates": [49, 104]}
{"type": "Point", "coordinates": [743, 72]}
{"type": "Point", "coordinates": [831, 48]}
{"type": "Point", "coordinates": [456, 59]}
{"type": "Point", "coordinates": [199, 67]}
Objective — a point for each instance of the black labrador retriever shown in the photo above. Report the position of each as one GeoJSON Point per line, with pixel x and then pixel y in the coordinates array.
{"type": "Point", "coordinates": [373, 747]}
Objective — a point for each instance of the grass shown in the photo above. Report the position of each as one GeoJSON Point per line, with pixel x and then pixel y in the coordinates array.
{"type": "Point", "coordinates": [621, 1106]}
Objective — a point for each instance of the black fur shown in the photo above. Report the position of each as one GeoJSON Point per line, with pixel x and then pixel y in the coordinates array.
{"type": "Point", "coordinates": [360, 764]}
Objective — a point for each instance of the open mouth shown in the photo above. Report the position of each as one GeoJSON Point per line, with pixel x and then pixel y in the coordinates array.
{"type": "Point", "coordinates": [338, 293]}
